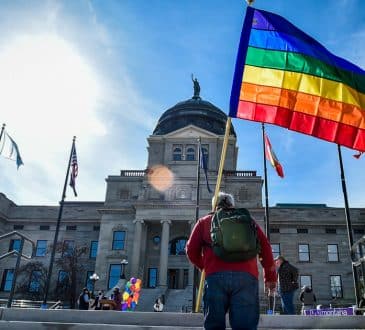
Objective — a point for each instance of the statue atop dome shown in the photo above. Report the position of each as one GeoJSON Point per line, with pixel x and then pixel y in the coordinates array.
{"type": "Point", "coordinates": [196, 87]}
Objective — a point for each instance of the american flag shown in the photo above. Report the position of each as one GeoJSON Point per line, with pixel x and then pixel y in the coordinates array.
{"type": "Point", "coordinates": [74, 169]}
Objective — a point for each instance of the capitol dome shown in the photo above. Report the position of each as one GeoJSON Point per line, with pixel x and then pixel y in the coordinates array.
{"type": "Point", "coordinates": [194, 111]}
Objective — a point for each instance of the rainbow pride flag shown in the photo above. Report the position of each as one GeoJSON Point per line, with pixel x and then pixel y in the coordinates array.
{"type": "Point", "coordinates": [286, 78]}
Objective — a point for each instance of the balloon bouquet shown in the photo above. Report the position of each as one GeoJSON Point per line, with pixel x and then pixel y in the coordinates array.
{"type": "Point", "coordinates": [131, 294]}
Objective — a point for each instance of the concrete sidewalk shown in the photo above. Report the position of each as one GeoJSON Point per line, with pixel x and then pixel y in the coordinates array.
{"type": "Point", "coordinates": [36, 319]}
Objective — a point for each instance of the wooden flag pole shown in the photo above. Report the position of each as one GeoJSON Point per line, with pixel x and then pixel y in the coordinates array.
{"type": "Point", "coordinates": [217, 187]}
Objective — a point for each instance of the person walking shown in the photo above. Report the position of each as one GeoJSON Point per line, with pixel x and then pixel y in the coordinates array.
{"type": "Point", "coordinates": [96, 304]}
{"type": "Point", "coordinates": [288, 284]}
{"type": "Point", "coordinates": [308, 299]}
{"type": "Point", "coordinates": [84, 299]}
{"type": "Point", "coordinates": [229, 286]}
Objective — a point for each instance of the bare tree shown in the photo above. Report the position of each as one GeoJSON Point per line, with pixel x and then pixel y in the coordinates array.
{"type": "Point", "coordinates": [32, 280]}
{"type": "Point", "coordinates": [72, 270]}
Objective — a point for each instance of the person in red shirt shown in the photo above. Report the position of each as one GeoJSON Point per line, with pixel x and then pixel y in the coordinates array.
{"type": "Point", "coordinates": [229, 286]}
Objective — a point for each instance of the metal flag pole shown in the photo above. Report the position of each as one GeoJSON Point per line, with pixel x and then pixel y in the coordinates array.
{"type": "Point", "coordinates": [2, 131]}
{"type": "Point", "coordinates": [217, 187]}
{"type": "Point", "coordinates": [348, 222]}
{"type": "Point", "coordinates": [267, 221]}
{"type": "Point", "coordinates": [196, 274]}
{"type": "Point", "coordinates": [49, 274]}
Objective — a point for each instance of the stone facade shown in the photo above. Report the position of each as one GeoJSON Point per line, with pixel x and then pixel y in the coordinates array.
{"type": "Point", "coordinates": [148, 214]}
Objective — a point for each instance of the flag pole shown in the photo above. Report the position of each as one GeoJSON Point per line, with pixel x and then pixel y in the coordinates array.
{"type": "Point", "coordinates": [348, 221]}
{"type": "Point", "coordinates": [2, 131]}
{"type": "Point", "coordinates": [267, 221]}
{"type": "Point", "coordinates": [217, 187]}
{"type": "Point", "coordinates": [196, 274]}
{"type": "Point", "coordinates": [49, 274]}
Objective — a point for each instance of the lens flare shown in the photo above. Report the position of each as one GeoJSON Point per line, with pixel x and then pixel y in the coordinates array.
{"type": "Point", "coordinates": [160, 177]}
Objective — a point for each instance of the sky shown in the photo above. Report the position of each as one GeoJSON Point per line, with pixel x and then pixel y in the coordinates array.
{"type": "Point", "coordinates": [105, 71]}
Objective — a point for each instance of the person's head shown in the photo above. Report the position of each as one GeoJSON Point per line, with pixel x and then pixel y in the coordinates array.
{"type": "Point", "coordinates": [100, 293]}
{"type": "Point", "coordinates": [224, 200]}
{"type": "Point", "coordinates": [279, 260]}
{"type": "Point", "coordinates": [116, 290]}
{"type": "Point", "coordinates": [306, 288]}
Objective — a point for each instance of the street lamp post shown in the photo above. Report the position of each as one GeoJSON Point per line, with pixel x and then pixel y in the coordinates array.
{"type": "Point", "coordinates": [94, 277]}
{"type": "Point", "coordinates": [124, 263]}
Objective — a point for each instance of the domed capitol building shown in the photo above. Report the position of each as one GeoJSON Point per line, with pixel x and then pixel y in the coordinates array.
{"type": "Point", "coordinates": [148, 214]}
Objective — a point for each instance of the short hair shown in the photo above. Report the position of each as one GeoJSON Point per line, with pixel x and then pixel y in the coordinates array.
{"type": "Point", "coordinates": [224, 200]}
{"type": "Point", "coordinates": [280, 258]}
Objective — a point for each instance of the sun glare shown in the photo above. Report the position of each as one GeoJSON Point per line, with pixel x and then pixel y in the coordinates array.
{"type": "Point", "coordinates": [45, 83]}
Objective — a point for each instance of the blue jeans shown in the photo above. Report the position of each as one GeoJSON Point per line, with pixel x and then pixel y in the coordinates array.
{"type": "Point", "coordinates": [287, 302]}
{"type": "Point", "coordinates": [233, 292]}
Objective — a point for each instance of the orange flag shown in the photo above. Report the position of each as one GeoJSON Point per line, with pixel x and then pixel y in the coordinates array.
{"type": "Point", "coordinates": [270, 155]}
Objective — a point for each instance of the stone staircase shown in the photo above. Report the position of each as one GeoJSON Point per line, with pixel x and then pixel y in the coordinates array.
{"type": "Point", "coordinates": [147, 298]}
{"type": "Point", "coordinates": [179, 300]}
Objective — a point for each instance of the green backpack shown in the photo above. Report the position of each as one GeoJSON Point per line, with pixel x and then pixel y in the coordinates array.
{"type": "Point", "coordinates": [234, 235]}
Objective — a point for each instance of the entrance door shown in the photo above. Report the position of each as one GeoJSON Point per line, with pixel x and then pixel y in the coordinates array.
{"type": "Point", "coordinates": [173, 279]}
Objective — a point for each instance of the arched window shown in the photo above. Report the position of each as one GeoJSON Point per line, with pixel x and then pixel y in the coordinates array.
{"type": "Point", "coordinates": [177, 246]}
{"type": "Point", "coordinates": [190, 153]}
{"type": "Point", "coordinates": [177, 153]}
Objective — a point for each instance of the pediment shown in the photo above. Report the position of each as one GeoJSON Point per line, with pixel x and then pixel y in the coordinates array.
{"type": "Point", "coordinates": [191, 131]}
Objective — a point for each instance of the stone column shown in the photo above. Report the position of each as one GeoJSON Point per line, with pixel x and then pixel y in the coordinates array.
{"type": "Point", "coordinates": [136, 247]}
{"type": "Point", "coordinates": [164, 252]}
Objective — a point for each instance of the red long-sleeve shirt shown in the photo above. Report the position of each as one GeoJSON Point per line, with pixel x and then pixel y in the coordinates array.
{"type": "Point", "coordinates": [200, 253]}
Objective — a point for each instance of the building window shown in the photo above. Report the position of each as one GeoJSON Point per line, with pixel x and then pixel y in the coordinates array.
{"type": "Point", "coordinates": [68, 248]}
{"type": "Point", "coordinates": [14, 245]}
{"type": "Point", "coordinates": [114, 275]}
{"type": "Point", "coordinates": [332, 252]}
{"type": "Point", "coordinates": [123, 194]}
{"type": "Point", "coordinates": [73, 227]}
{"type": "Point", "coordinates": [336, 286]}
{"type": "Point", "coordinates": [89, 283]}
{"type": "Point", "coordinates": [18, 227]}
{"type": "Point", "coordinates": [177, 246]}
{"type": "Point", "coordinates": [93, 249]}
{"type": "Point", "coordinates": [275, 248]}
{"type": "Point", "coordinates": [118, 240]}
{"type": "Point", "coordinates": [35, 281]}
{"type": "Point", "coordinates": [7, 280]}
{"type": "Point", "coordinates": [243, 194]}
{"type": "Point", "coordinates": [41, 248]}
{"type": "Point", "coordinates": [177, 153]}
{"type": "Point", "coordinates": [356, 231]}
{"type": "Point", "coordinates": [96, 228]}
{"type": "Point", "coordinates": [305, 280]}
{"type": "Point", "coordinates": [152, 277]}
{"type": "Point", "coordinates": [44, 227]}
{"type": "Point", "coordinates": [331, 231]}
{"type": "Point", "coordinates": [190, 153]}
{"type": "Point", "coordinates": [63, 279]}
{"type": "Point", "coordinates": [156, 240]}
{"type": "Point", "coordinates": [303, 250]}
{"type": "Point", "coordinates": [274, 230]}
{"type": "Point", "coordinates": [302, 230]}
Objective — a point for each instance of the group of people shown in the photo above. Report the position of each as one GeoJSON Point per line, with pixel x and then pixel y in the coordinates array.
{"type": "Point", "coordinates": [232, 286]}
{"type": "Point", "coordinates": [85, 302]}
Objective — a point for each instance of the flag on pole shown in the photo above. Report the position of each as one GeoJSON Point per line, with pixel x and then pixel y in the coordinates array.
{"type": "Point", "coordinates": [286, 78]}
{"type": "Point", "coordinates": [9, 149]}
{"type": "Point", "coordinates": [204, 166]}
{"type": "Point", "coordinates": [74, 169]}
{"type": "Point", "coordinates": [271, 156]}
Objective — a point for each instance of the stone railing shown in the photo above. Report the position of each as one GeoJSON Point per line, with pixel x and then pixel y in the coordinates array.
{"type": "Point", "coordinates": [239, 173]}
{"type": "Point", "coordinates": [139, 173]}
{"type": "Point", "coordinates": [133, 172]}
